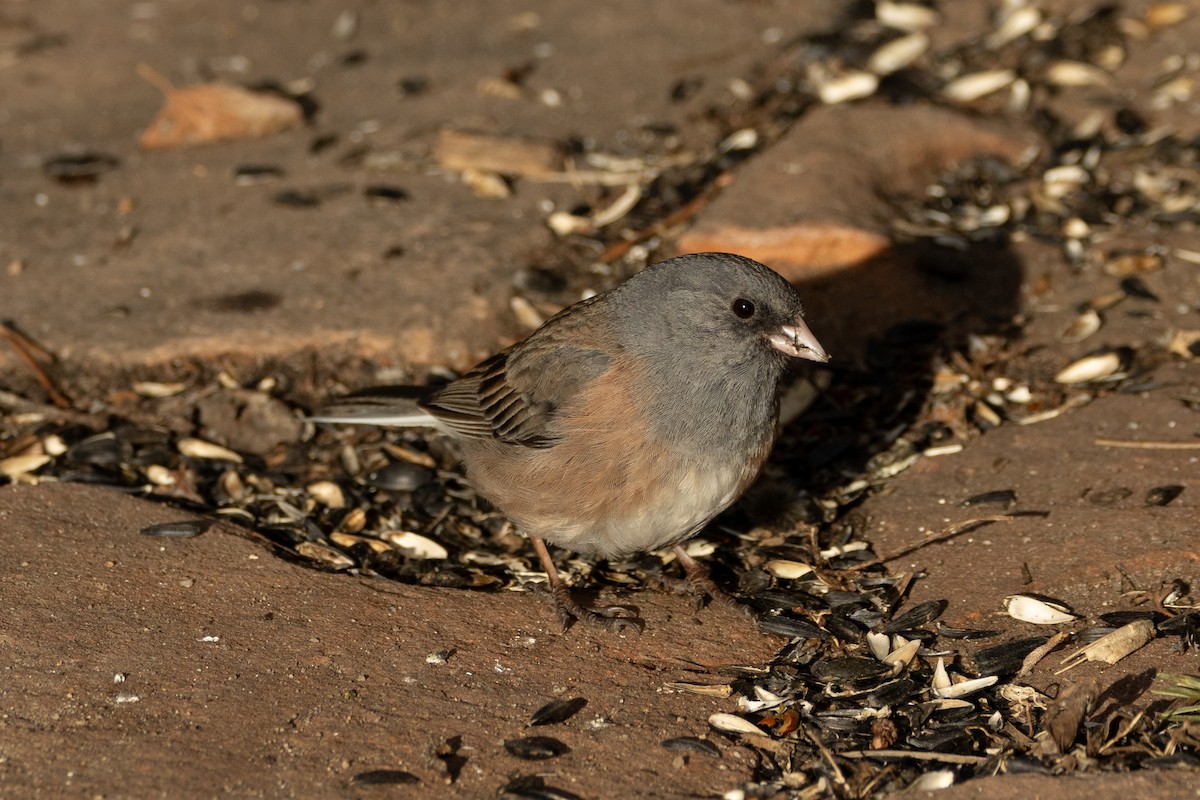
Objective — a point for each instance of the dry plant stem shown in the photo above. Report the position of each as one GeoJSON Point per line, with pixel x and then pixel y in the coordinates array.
{"type": "Point", "coordinates": [614, 618]}
{"type": "Point", "coordinates": [838, 777]}
{"type": "Point", "coordinates": [22, 345]}
{"type": "Point", "coordinates": [956, 529]}
{"type": "Point", "coordinates": [15, 404]}
{"type": "Point", "coordinates": [1038, 653]}
{"type": "Point", "coordinates": [916, 755]}
{"type": "Point", "coordinates": [1147, 445]}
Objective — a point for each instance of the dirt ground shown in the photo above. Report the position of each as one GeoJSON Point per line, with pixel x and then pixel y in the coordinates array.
{"type": "Point", "coordinates": [366, 243]}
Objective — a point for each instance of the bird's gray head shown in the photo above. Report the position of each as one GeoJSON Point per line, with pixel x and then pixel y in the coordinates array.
{"type": "Point", "coordinates": [714, 311]}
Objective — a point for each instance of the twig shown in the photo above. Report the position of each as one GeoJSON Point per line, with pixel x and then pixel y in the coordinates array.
{"type": "Point", "coordinates": [1147, 444]}
{"type": "Point", "coordinates": [956, 529]}
{"type": "Point", "coordinates": [949, 758]}
{"type": "Point", "coordinates": [838, 777]}
{"type": "Point", "coordinates": [25, 347]}
{"type": "Point", "coordinates": [15, 404]}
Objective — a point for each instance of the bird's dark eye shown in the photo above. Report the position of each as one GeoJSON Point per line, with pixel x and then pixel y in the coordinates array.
{"type": "Point", "coordinates": [743, 308]}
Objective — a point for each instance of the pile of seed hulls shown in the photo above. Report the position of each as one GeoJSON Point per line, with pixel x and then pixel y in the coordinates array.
{"type": "Point", "coordinates": [862, 681]}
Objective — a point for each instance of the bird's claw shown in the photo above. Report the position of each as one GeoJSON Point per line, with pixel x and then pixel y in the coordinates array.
{"type": "Point", "coordinates": [617, 619]}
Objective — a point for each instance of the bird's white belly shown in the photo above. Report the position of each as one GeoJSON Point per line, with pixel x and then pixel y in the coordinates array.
{"type": "Point", "coordinates": [680, 503]}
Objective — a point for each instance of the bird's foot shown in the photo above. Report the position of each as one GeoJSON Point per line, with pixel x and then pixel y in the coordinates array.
{"type": "Point", "coordinates": [702, 586]}
{"type": "Point", "coordinates": [614, 618]}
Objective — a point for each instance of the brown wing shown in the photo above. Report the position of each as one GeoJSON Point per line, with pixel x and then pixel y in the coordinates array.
{"type": "Point", "coordinates": [514, 396]}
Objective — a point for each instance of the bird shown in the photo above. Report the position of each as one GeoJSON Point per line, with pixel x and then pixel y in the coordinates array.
{"type": "Point", "coordinates": [627, 421]}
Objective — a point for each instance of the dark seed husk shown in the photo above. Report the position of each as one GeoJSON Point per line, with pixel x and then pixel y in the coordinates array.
{"type": "Point", "coordinates": [844, 628]}
{"type": "Point", "coordinates": [103, 449]}
{"type": "Point", "coordinates": [536, 748]}
{"type": "Point", "coordinates": [1182, 625]}
{"type": "Point", "coordinates": [541, 281]}
{"type": "Point", "coordinates": [916, 616]}
{"type": "Point", "coordinates": [1175, 761]}
{"type": "Point", "coordinates": [790, 627]}
{"type": "Point", "coordinates": [400, 476]}
{"type": "Point", "coordinates": [778, 599]}
{"type": "Point", "coordinates": [79, 167]}
{"type": "Point", "coordinates": [891, 693]}
{"type": "Point", "coordinates": [839, 723]}
{"type": "Point", "coordinates": [692, 744]}
{"type": "Point", "coordinates": [1116, 619]}
{"type": "Point", "coordinates": [385, 192]}
{"type": "Point", "coordinates": [557, 711]}
{"type": "Point", "coordinates": [533, 787]}
{"type": "Point", "coordinates": [844, 600]}
{"type": "Point", "coordinates": [1006, 658]}
{"type": "Point", "coordinates": [1089, 635]}
{"type": "Point", "coordinates": [849, 668]}
{"type": "Point", "coordinates": [247, 173]}
{"type": "Point", "coordinates": [296, 198]}
{"type": "Point", "coordinates": [177, 530]}
{"type": "Point", "coordinates": [1005, 498]}
{"type": "Point", "coordinates": [940, 739]}
{"type": "Point", "coordinates": [1024, 765]}
{"type": "Point", "coordinates": [384, 777]}
{"type": "Point", "coordinates": [1163, 495]}
{"type": "Point", "coordinates": [1136, 287]}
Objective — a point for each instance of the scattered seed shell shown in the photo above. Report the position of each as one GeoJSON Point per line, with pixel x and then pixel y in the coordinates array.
{"type": "Point", "coordinates": [932, 781]}
{"type": "Point", "coordinates": [1018, 22]}
{"type": "Point", "coordinates": [1185, 344]}
{"type": "Point", "coordinates": [978, 84]}
{"type": "Point", "coordinates": [853, 85]}
{"type": "Point", "coordinates": [898, 53]}
{"type": "Point", "coordinates": [176, 530]}
{"type": "Point", "coordinates": [1090, 368]}
{"type": "Point", "coordinates": [414, 545]}
{"type": "Point", "coordinates": [1037, 611]}
{"type": "Point", "coordinates": [692, 744]}
{"type": "Point", "coordinates": [384, 777]}
{"type": "Point", "coordinates": [704, 689]}
{"type": "Point", "coordinates": [957, 691]}
{"type": "Point", "coordinates": [348, 540]}
{"type": "Point", "coordinates": [1076, 73]}
{"type": "Point", "coordinates": [1082, 327]}
{"type": "Point", "coordinates": [324, 554]}
{"type": "Point", "coordinates": [880, 644]}
{"type": "Point", "coordinates": [15, 466]}
{"type": "Point", "coordinates": [160, 475]}
{"type": "Point", "coordinates": [941, 678]}
{"type": "Point", "coordinates": [1163, 15]}
{"type": "Point", "coordinates": [327, 493]}
{"type": "Point", "coordinates": [557, 711]}
{"type": "Point", "coordinates": [526, 314]}
{"type": "Point", "coordinates": [788, 570]}
{"type": "Point", "coordinates": [732, 723]}
{"type": "Point", "coordinates": [902, 656]}
{"type": "Point", "coordinates": [198, 448]}
{"type": "Point", "coordinates": [158, 390]}
{"type": "Point", "coordinates": [905, 16]}
{"type": "Point", "coordinates": [536, 748]}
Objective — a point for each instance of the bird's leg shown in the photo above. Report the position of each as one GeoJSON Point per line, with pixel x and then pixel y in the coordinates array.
{"type": "Point", "coordinates": [702, 584]}
{"type": "Point", "coordinates": [615, 618]}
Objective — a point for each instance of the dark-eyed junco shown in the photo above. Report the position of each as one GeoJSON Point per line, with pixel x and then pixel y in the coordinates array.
{"type": "Point", "coordinates": [627, 421]}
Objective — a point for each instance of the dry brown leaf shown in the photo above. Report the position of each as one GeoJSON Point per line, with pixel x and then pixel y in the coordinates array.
{"type": "Point", "coordinates": [459, 152]}
{"type": "Point", "coordinates": [214, 112]}
{"type": "Point", "coordinates": [1066, 713]}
